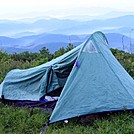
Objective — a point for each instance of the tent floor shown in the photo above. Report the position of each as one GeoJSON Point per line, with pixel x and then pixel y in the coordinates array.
{"type": "Point", "coordinates": [30, 104]}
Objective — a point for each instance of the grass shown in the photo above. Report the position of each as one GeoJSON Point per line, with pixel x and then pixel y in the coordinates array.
{"type": "Point", "coordinates": [14, 120]}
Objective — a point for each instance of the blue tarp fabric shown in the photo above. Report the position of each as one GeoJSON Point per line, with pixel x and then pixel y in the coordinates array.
{"type": "Point", "coordinates": [33, 83]}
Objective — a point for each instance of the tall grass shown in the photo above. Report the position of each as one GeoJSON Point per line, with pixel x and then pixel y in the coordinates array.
{"type": "Point", "coordinates": [14, 120]}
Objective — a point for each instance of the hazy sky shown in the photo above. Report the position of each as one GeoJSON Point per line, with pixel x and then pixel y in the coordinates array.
{"type": "Point", "coordinates": [12, 9]}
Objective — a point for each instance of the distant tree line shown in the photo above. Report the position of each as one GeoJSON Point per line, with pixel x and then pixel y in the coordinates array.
{"type": "Point", "coordinates": [44, 53]}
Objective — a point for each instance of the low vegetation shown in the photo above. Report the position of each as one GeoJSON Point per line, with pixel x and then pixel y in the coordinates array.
{"type": "Point", "coordinates": [14, 120]}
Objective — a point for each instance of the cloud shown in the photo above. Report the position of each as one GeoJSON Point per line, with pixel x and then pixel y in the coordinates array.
{"type": "Point", "coordinates": [23, 8]}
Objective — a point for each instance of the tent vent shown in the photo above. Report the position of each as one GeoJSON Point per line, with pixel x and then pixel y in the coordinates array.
{"type": "Point", "coordinates": [89, 47]}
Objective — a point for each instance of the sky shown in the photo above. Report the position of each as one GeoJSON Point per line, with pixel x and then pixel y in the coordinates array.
{"type": "Point", "coordinates": [16, 9]}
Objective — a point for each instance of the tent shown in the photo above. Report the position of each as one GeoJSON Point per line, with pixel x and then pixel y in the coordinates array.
{"type": "Point", "coordinates": [88, 80]}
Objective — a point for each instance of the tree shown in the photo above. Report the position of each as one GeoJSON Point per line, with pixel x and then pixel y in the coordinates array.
{"type": "Point", "coordinates": [45, 53]}
{"type": "Point", "coordinates": [69, 47]}
{"type": "Point", "coordinates": [58, 53]}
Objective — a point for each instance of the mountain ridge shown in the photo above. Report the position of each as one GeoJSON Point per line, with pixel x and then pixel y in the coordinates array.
{"type": "Point", "coordinates": [55, 41]}
{"type": "Point", "coordinates": [65, 26]}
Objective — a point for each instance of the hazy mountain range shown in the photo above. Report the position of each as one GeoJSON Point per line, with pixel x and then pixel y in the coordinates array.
{"type": "Point", "coordinates": [33, 34]}
{"type": "Point", "coordinates": [55, 41]}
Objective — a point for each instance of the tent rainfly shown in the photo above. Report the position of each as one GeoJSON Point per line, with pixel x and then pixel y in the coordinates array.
{"type": "Point", "coordinates": [87, 79]}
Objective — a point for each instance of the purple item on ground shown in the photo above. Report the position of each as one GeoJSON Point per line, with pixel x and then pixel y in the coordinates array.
{"type": "Point", "coordinates": [30, 104]}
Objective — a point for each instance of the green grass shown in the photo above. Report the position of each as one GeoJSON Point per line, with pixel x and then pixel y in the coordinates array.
{"type": "Point", "coordinates": [14, 120]}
